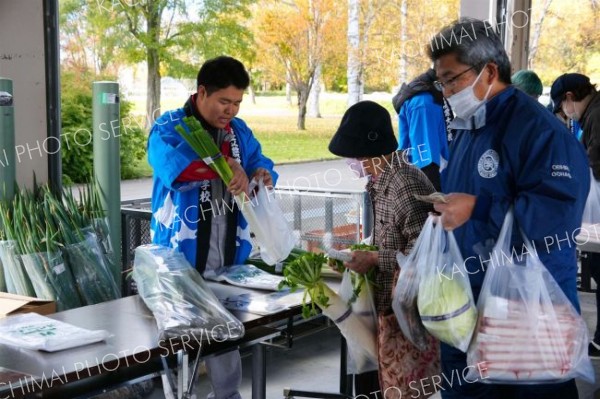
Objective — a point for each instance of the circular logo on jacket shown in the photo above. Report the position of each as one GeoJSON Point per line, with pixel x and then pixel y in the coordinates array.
{"type": "Point", "coordinates": [488, 164]}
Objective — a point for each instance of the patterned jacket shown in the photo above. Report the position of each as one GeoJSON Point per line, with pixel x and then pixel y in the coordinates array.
{"type": "Point", "coordinates": [398, 219]}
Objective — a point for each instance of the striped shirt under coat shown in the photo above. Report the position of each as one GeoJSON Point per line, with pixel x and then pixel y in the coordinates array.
{"type": "Point", "coordinates": [398, 218]}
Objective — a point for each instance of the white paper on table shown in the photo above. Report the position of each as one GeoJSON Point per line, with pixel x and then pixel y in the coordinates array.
{"type": "Point", "coordinates": [33, 331]}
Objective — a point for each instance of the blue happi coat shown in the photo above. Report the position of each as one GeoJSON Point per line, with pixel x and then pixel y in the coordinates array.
{"type": "Point", "coordinates": [175, 212]}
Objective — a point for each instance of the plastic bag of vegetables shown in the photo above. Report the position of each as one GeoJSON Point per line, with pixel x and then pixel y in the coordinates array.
{"type": "Point", "coordinates": [445, 300]}
{"type": "Point", "coordinates": [305, 272]}
{"type": "Point", "coordinates": [528, 331]}
{"type": "Point", "coordinates": [357, 291]}
{"type": "Point", "coordinates": [404, 300]}
{"type": "Point", "coordinates": [179, 298]}
{"type": "Point", "coordinates": [271, 232]}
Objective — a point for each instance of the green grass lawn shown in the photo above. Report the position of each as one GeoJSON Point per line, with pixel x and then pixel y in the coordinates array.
{"type": "Point", "coordinates": [283, 142]}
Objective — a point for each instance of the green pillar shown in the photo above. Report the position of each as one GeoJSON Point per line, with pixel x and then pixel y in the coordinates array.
{"type": "Point", "coordinates": [107, 163]}
{"type": "Point", "coordinates": [7, 140]}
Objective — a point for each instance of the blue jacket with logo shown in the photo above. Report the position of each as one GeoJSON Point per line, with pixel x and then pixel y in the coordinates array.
{"type": "Point", "coordinates": [513, 152]}
{"type": "Point", "coordinates": [175, 213]}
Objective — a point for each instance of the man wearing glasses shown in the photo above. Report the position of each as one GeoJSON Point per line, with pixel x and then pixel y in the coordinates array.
{"type": "Point", "coordinates": [506, 151]}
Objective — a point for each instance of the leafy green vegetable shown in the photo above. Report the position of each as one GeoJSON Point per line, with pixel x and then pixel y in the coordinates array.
{"type": "Point", "coordinates": [305, 272]}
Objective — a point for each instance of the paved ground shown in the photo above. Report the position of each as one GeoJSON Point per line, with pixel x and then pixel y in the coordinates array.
{"type": "Point", "coordinates": [327, 175]}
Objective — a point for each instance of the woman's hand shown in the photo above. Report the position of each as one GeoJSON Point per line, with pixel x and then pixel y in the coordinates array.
{"type": "Point", "coordinates": [362, 261]}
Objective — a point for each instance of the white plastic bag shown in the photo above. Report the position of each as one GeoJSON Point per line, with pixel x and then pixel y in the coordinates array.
{"type": "Point", "coordinates": [528, 331]}
{"type": "Point", "coordinates": [445, 299]}
{"type": "Point", "coordinates": [275, 238]}
{"type": "Point", "coordinates": [363, 307]}
{"type": "Point", "coordinates": [404, 299]}
{"type": "Point", "coordinates": [36, 332]}
{"type": "Point", "coordinates": [181, 301]}
{"type": "Point", "coordinates": [591, 212]}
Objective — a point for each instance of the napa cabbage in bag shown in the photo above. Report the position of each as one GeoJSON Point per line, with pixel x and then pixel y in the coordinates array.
{"type": "Point", "coordinates": [445, 300]}
{"type": "Point", "coordinates": [357, 291]}
{"type": "Point", "coordinates": [528, 331]}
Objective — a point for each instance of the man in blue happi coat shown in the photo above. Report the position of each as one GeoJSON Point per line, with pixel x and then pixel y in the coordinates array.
{"type": "Point", "coordinates": [192, 209]}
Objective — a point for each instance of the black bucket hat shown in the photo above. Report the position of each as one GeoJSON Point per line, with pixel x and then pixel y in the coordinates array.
{"type": "Point", "coordinates": [364, 132]}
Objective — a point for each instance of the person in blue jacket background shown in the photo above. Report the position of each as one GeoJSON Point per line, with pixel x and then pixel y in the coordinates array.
{"type": "Point", "coordinates": [192, 209]}
{"type": "Point", "coordinates": [423, 117]}
{"type": "Point", "coordinates": [507, 151]}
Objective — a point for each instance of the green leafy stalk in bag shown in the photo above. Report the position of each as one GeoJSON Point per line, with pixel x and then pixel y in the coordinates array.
{"type": "Point", "coordinates": [306, 272]}
{"type": "Point", "coordinates": [358, 280]}
{"type": "Point", "coordinates": [203, 144]}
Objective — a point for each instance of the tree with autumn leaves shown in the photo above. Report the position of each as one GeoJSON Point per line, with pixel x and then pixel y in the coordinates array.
{"type": "Point", "coordinates": [357, 45]}
{"type": "Point", "coordinates": [298, 35]}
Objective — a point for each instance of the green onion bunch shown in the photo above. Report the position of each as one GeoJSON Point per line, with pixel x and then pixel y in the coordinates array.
{"type": "Point", "coordinates": [49, 247]}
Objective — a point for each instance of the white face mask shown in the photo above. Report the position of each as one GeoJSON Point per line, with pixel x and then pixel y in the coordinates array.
{"type": "Point", "coordinates": [465, 102]}
{"type": "Point", "coordinates": [356, 166]}
{"type": "Point", "coordinates": [573, 115]}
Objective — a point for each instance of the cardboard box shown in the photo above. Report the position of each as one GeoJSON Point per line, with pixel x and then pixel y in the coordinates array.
{"type": "Point", "coordinates": [14, 304]}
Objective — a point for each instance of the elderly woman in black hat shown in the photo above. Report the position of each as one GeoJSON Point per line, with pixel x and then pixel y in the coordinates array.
{"type": "Point", "coordinates": [366, 138]}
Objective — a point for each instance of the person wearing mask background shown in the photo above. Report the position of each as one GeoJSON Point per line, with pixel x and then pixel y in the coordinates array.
{"type": "Point", "coordinates": [578, 99]}
{"type": "Point", "coordinates": [575, 96]}
{"type": "Point", "coordinates": [504, 152]}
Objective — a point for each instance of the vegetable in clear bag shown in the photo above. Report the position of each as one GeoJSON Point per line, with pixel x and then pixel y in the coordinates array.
{"type": "Point", "coordinates": [445, 300]}
{"type": "Point", "coordinates": [179, 298]}
{"type": "Point", "coordinates": [404, 299]}
{"type": "Point", "coordinates": [357, 292]}
{"type": "Point", "coordinates": [52, 279]}
{"type": "Point", "coordinates": [91, 270]}
{"type": "Point", "coordinates": [528, 331]}
{"type": "Point", "coordinates": [17, 281]}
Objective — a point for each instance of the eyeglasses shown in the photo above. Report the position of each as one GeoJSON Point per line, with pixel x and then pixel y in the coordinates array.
{"type": "Point", "coordinates": [450, 83]}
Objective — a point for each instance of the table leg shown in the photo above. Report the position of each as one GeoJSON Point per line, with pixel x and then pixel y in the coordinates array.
{"type": "Point", "coordinates": [259, 372]}
{"type": "Point", "coordinates": [346, 380]}
{"type": "Point", "coordinates": [182, 373]}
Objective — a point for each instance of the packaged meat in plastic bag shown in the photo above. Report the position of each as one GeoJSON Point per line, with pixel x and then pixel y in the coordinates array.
{"type": "Point", "coordinates": [528, 331]}
{"type": "Point", "coordinates": [179, 298]}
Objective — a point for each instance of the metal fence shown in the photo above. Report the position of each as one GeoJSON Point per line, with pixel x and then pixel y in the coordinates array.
{"type": "Point", "coordinates": [319, 218]}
